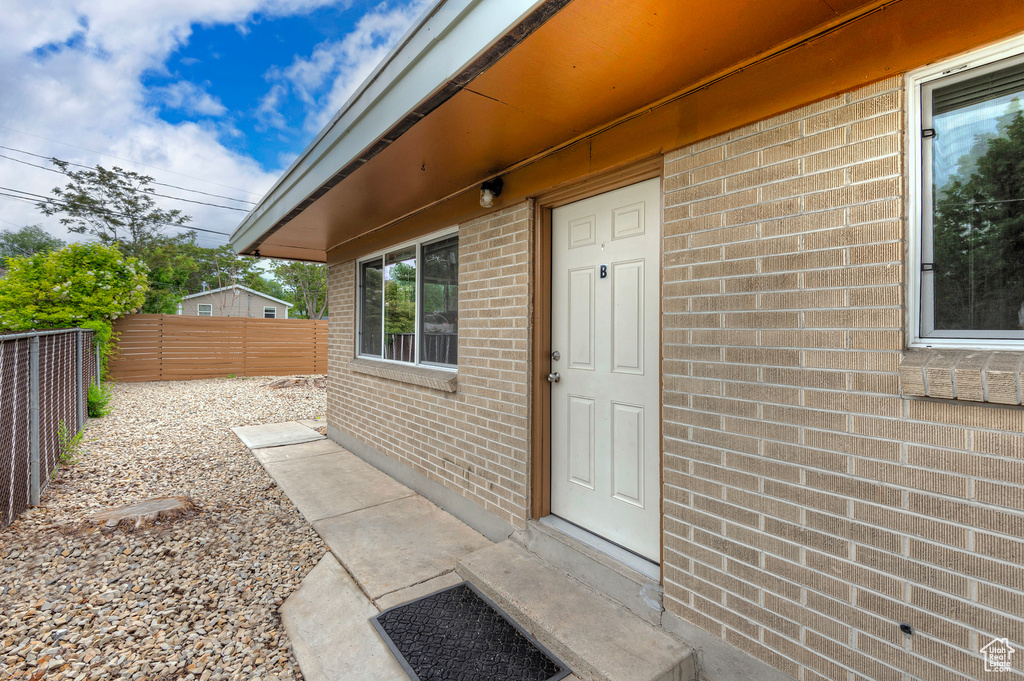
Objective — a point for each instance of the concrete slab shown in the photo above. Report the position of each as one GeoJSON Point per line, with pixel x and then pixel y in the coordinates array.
{"type": "Point", "coordinates": [314, 423]}
{"type": "Point", "coordinates": [598, 639]}
{"type": "Point", "coordinates": [275, 434]}
{"type": "Point", "coordinates": [418, 591]}
{"type": "Point", "coordinates": [333, 484]}
{"type": "Point", "coordinates": [300, 451]}
{"type": "Point", "coordinates": [398, 544]}
{"type": "Point", "coordinates": [327, 622]}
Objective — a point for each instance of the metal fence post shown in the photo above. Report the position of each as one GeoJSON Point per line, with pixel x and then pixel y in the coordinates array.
{"type": "Point", "coordinates": [33, 420]}
{"type": "Point", "coordinates": [99, 368]}
{"type": "Point", "coordinates": [80, 401]}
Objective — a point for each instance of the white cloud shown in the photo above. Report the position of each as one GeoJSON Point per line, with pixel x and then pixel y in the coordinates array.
{"type": "Point", "coordinates": [326, 79]}
{"type": "Point", "coordinates": [191, 98]}
{"type": "Point", "coordinates": [70, 72]}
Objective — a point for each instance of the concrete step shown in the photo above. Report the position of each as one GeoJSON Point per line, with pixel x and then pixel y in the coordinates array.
{"type": "Point", "coordinates": [630, 581]}
{"type": "Point", "coordinates": [600, 640]}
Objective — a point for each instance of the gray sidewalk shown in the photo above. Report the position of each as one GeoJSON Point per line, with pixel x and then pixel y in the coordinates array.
{"type": "Point", "coordinates": [387, 545]}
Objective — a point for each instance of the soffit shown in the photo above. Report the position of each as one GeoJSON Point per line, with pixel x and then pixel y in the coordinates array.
{"type": "Point", "coordinates": [592, 62]}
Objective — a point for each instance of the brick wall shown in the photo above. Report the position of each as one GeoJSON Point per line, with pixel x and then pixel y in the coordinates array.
{"type": "Point", "coordinates": [475, 440]}
{"type": "Point", "coordinates": [809, 508]}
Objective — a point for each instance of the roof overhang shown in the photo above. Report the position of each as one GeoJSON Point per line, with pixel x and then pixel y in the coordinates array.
{"type": "Point", "coordinates": [542, 91]}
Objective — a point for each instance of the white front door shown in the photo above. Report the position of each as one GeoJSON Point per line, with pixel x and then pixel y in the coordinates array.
{"type": "Point", "coordinates": [605, 444]}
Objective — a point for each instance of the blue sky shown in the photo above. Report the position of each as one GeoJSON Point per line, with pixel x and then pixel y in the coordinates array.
{"type": "Point", "coordinates": [216, 96]}
{"type": "Point", "coordinates": [237, 65]}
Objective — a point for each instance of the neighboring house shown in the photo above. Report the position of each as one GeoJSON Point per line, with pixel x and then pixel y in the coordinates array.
{"type": "Point", "coordinates": [744, 303]}
{"type": "Point", "coordinates": [233, 301]}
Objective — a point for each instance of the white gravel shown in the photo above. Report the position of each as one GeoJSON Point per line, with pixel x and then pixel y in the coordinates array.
{"type": "Point", "coordinates": [192, 598]}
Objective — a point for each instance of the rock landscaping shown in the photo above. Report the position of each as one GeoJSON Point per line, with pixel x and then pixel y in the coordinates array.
{"type": "Point", "coordinates": [191, 595]}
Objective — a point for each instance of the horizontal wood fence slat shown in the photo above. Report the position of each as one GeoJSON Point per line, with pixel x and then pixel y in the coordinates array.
{"type": "Point", "coordinates": [159, 347]}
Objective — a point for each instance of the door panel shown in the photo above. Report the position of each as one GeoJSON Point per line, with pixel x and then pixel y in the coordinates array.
{"type": "Point", "coordinates": [605, 446]}
{"type": "Point", "coordinates": [628, 317]}
{"type": "Point", "coordinates": [628, 453]}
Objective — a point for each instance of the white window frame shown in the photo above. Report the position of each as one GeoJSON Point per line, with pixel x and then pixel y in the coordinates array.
{"type": "Point", "coordinates": [379, 255]}
{"type": "Point", "coordinates": [272, 309]}
{"type": "Point", "coordinates": [919, 171]}
{"type": "Point", "coordinates": [200, 312]}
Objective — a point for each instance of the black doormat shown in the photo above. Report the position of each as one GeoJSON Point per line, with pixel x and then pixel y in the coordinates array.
{"type": "Point", "coordinates": [458, 634]}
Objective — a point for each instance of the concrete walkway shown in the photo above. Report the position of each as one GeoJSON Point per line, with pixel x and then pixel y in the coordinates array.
{"type": "Point", "coordinates": [387, 545]}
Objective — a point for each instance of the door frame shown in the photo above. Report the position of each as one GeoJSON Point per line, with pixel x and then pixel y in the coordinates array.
{"type": "Point", "coordinates": [543, 204]}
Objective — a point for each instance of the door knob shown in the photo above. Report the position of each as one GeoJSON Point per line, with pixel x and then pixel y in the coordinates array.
{"type": "Point", "coordinates": [554, 378]}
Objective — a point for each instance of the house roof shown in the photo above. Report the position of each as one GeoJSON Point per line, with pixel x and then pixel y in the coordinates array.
{"type": "Point", "coordinates": [527, 90]}
{"type": "Point", "coordinates": [239, 286]}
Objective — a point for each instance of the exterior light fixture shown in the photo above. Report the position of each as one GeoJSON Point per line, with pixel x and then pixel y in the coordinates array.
{"type": "Point", "coordinates": [488, 190]}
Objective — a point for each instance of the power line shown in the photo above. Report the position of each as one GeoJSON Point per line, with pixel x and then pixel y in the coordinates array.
{"type": "Point", "coordinates": [165, 196]}
{"type": "Point", "coordinates": [162, 184]}
{"type": "Point", "coordinates": [128, 160]}
{"type": "Point", "coordinates": [33, 199]}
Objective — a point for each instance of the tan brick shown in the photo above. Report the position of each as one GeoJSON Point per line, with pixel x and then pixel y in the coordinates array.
{"type": "Point", "coordinates": [806, 223]}
{"type": "Point", "coordinates": [771, 137]}
{"type": "Point", "coordinates": [731, 166]}
{"type": "Point", "coordinates": [853, 487]}
{"type": "Point", "coordinates": [968, 563]}
{"type": "Point", "coordinates": [797, 574]}
{"type": "Point", "coordinates": [910, 524]}
{"type": "Point", "coordinates": [857, 111]}
{"type": "Point", "coordinates": [803, 146]}
{"type": "Point", "coordinates": [914, 478]}
{"type": "Point", "coordinates": [981, 619]}
{"type": "Point", "coordinates": [1000, 495]}
{"type": "Point", "coordinates": [937, 578]}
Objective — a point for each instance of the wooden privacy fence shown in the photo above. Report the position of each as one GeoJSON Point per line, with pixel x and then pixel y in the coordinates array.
{"type": "Point", "coordinates": [163, 347]}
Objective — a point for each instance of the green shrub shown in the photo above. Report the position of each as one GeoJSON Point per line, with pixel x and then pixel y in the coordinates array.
{"type": "Point", "coordinates": [97, 400]}
{"type": "Point", "coordinates": [69, 444]}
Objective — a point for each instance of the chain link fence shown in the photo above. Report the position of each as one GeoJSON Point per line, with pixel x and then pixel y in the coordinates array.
{"type": "Point", "coordinates": [44, 383]}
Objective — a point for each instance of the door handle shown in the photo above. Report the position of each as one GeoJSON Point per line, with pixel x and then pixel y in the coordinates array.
{"type": "Point", "coordinates": [554, 377]}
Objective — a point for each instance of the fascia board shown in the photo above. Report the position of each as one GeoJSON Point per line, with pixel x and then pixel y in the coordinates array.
{"type": "Point", "coordinates": [448, 37]}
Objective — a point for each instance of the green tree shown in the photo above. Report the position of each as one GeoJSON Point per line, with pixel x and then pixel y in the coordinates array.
{"type": "Point", "coordinates": [87, 285]}
{"type": "Point", "coordinates": [399, 308]}
{"type": "Point", "coordinates": [26, 241]}
{"type": "Point", "coordinates": [306, 285]}
{"type": "Point", "coordinates": [978, 233]}
{"type": "Point", "coordinates": [115, 206]}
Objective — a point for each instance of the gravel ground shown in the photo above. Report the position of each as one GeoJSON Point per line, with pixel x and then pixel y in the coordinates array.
{"type": "Point", "coordinates": [191, 598]}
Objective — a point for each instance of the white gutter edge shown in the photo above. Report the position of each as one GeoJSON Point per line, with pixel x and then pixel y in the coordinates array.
{"type": "Point", "coordinates": [449, 35]}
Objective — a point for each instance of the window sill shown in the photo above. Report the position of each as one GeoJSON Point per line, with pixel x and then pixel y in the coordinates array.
{"type": "Point", "coordinates": [437, 379]}
{"type": "Point", "coordinates": [971, 375]}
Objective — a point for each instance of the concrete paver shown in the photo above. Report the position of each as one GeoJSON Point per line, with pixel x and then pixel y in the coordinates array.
{"type": "Point", "coordinates": [275, 434]}
{"type": "Point", "coordinates": [327, 624]}
{"type": "Point", "coordinates": [298, 451]}
{"type": "Point", "coordinates": [398, 544]}
{"type": "Point", "coordinates": [334, 483]}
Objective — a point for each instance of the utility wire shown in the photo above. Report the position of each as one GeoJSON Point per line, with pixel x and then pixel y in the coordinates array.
{"type": "Point", "coordinates": [80, 165]}
{"type": "Point", "coordinates": [34, 198]}
{"type": "Point", "coordinates": [128, 160]}
{"type": "Point", "coordinates": [165, 196]}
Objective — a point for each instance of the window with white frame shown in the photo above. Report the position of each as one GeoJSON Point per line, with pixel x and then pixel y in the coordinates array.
{"type": "Point", "coordinates": [968, 250]}
{"type": "Point", "coordinates": [409, 303]}
{"type": "Point", "coordinates": [204, 309]}
{"type": "Point", "coordinates": [270, 313]}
